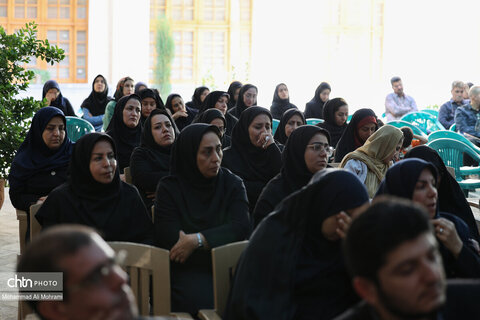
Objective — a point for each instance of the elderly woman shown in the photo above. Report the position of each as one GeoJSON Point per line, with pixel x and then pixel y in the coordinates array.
{"type": "Point", "coordinates": [198, 207]}
{"type": "Point", "coordinates": [371, 161]}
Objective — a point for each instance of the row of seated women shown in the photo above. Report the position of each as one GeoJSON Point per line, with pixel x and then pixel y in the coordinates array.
{"type": "Point", "coordinates": [211, 196]}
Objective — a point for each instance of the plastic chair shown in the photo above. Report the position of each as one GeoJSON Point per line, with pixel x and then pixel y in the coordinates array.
{"type": "Point", "coordinates": [400, 123]}
{"type": "Point", "coordinates": [433, 112]}
{"type": "Point", "coordinates": [224, 262]}
{"type": "Point", "coordinates": [314, 121]}
{"type": "Point", "coordinates": [452, 135]}
{"type": "Point", "coordinates": [142, 262]}
{"type": "Point", "coordinates": [451, 151]}
{"type": "Point", "coordinates": [453, 127]}
{"type": "Point", "coordinates": [77, 127]}
{"type": "Point", "coordinates": [425, 121]}
{"type": "Point", "coordinates": [275, 124]}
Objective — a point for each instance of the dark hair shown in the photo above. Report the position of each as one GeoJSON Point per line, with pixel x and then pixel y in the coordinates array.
{"type": "Point", "coordinates": [324, 132]}
{"type": "Point", "coordinates": [469, 84]}
{"type": "Point", "coordinates": [395, 79]}
{"type": "Point", "coordinates": [407, 136]}
{"type": "Point", "coordinates": [384, 226]}
{"type": "Point", "coordinates": [45, 252]}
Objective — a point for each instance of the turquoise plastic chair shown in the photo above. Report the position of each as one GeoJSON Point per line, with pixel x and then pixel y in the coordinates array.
{"type": "Point", "coordinates": [453, 127]}
{"type": "Point", "coordinates": [431, 111]}
{"type": "Point", "coordinates": [400, 123]}
{"type": "Point", "coordinates": [275, 124]}
{"type": "Point", "coordinates": [451, 151]}
{"type": "Point", "coordinates": [77, 127]}
{"type": "Point", "coordinates": [452, 135]}
{"type": "Point", "coordinates": [349, 118]}
{"type": "Point", "coordinates": [314, 121]}
{"type": "Point", "coordinates": [425, 121]}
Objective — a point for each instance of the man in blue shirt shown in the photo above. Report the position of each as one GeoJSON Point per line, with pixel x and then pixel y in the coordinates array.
{"type": "Point", "coordinates": [467, 117]}
{"type": "Point", "coordinates": [446, 115]}
{"type": "Point", "coordinates": [397, 103]}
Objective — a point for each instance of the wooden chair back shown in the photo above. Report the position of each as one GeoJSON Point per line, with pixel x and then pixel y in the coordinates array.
{"type": "Point", "coordinates": [35, 226]}
{"type": "Point", "coordinates": [224, 261]}
{"type": "Point", "coordinates": [128, 175]}
{"type": "Point", "coordinates": [142, 262]}
{"type": "Point", "coordinates": [22, 218]}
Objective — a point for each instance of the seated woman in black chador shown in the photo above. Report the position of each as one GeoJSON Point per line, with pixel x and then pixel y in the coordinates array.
{"type": "Point", "coordinates": [41, 162]}
{"type": "Point", "coordinates": [151, 161]}
{"type": "Point", "coordinates": [314, 108]}
{"type": "Point", "coordinates": [306, 152]}
{"type": "Point", "coordinates": [359, 129]}
{"type": "Point", "coordinates": [150, 101]}
{"type": "Point", "coordinates": [293, 266]}
{"type": "Point", "coordinates": [51, 91]}
{"type": "Point", "coordinates": [335, 113]}
{"type": "Point", "coordinates": [125, 128]}
{"type": "Point", "coordinates": [291, 120]}
{"type": "Point", "coordinates": [281, 101]}
{"type": "Point", "coordinates": [181, 114]}
{"type": "Point", "coordinates": [450, 196]}
{"type": "Point", "coordinates": [94, 195]}
{"type": "Point", "coordinates": [247, 97]}
{"type": "Point", "coordinates": [198, 98]}
{"type": "Point", "coordinates": [416, 179]}
{"type": "Point", "coordinates": [253, 155]}
{"type": "Point", "coordinates": [219, 100]}
{"type": "Point", "coordinates": [216, 117]}
{"type": "Point", "coordinates": [198, 207]}
{"type": "Point", "coordinates": [233, 90]}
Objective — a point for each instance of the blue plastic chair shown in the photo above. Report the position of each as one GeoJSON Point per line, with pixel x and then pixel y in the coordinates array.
{"type": "Point", "coordinates": [453, 127]}
{"type": "Point", "coordinates": [451, 151]}
{"type": "Point", "coordinates": [425, 121]}
{"type": "Point", "coordinates": [400, 123]}
{"type": "Point", "coordinates": [431, 111]}
{"type": "Point", "coordinates": [78, 127]}
{"type": "Point", "coordinates": [275, 124]}
{"type": "Point", "coordinates": [314, 121]}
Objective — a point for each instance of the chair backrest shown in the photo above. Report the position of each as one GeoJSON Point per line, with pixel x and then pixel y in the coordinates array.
{"type": "Point", "coordinates": [78, 127]}
{"type": "Point", "coordinates": [314, 121]}
{"type": "Point", "coordinates": [143, 261]}
{"type": "Point", "coordinates": [451, 171]}
{"type": "Point", "coordinates": [453, 127]}
{"type": "Point", "coordinates": [35, 227]}
{"type": "Point", "coordinates": [275, 124]}
{"type": "Point", "coordinates": [452, 135]}
{"type": "Point", "coordinates": [22, 228]}
{"type": "Point", "coordinates": [400, 123]}
{"type": "Point", "coordinates": [128, 175]}
{"type": "Point", "coordinates": [224, 261]}
{"type": "Point", "coordinates": [425, 121]}
{"type": "Point", "coordinates": [451, 151]}
{"type": "Point", "coordinates": [431, 111]}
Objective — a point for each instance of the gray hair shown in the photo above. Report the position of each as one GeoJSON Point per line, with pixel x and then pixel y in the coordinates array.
{"type": "Point", "coordinates": [458, 84]}
{"type": "Point", "coordinates": [474, 91]}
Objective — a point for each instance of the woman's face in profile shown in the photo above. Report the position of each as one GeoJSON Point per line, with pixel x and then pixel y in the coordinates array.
{"type": "Point", "coordinates": [102, 162]}
{"type": "Point", "coordinates": [54, 133]}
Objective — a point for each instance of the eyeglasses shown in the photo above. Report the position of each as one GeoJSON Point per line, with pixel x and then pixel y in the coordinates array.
{"type": "Point", "coordinates": [319, 147]}
{"type": "Point", "coordinates": [99, 275]}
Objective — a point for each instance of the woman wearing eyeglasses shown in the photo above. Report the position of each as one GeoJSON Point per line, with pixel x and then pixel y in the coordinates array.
{"type": "Point", "coordinates": [371, 161]}
{"type": "Point", "coordinates": [306, 152]}
{"type": "Point", "coordinates": [253, 155]}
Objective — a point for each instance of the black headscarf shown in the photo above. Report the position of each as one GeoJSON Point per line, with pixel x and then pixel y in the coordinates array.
{"type": "Point", "coordinates": [450, 196]}
{"type": "Point", "coordinates": [149, 93]}
{"type": "Point", "coordinates": [196, 102]}
{"type": "Point", "coordinates": [279, 105]}
{"type": "Point", "coordinates": [240, 105]}
{"type": "Point", "coordinates": [259, 165]}
{"type": "Point", "coordinates": [115, 209]}
{"type": "Point", "coordinates": [34, 156]}
{"type": "Point", "coordinates": [231, 91]}
{"type": "Point", "coordinates": [332, 106]}
{"type": "Point", "coordinates": [181, 122]}
{"type": "Point", "coordinates": [97, 101]}
{"type": "Point", "coordinates": [119, 89]}
{"type": "Point", "coordinates": [60, 102]}
{"type": "Point", "coordinates": [138, 85]}
{"type": "Point", "coordinates": [350, 140]}
{"type": "Point", "coordinates": [314, 108]}
{"type": "Point", "coordinates": [280, 135]}
{"type": "Point", "coordinates": [147, 140]}
{"type": "Point", "coordinates": [288, 263]}
{"type": "Point", "coordinates": [210, 102]}
{"type": "Point", "coordinates": [211, 114]}
{"type": "Point", "coordinates": [126, 139]}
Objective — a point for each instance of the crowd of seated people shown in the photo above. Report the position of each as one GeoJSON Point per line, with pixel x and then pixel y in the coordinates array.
{"type": "Point", "coordinates": [212, 172]}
